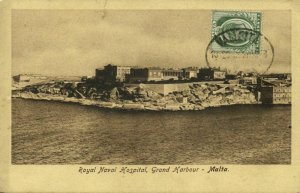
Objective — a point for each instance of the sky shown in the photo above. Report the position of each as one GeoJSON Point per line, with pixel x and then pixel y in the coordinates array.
{"type": "Point", "coordinates": [75, 42]}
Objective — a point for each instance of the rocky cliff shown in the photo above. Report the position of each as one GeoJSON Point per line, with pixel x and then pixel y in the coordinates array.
{"type": "Point", "coordinates": [197, 97]}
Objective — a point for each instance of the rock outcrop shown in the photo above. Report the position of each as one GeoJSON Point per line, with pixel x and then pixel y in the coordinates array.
{"type": "Point", "coordinates": [197, 97]}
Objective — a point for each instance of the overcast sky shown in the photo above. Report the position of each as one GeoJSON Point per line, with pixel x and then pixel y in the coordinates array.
{"type": "Point", "coordinates": [75, 42]}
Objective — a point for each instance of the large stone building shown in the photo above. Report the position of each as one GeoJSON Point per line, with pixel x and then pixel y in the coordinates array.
{"type": "Point", "coordinates": [100, 73]}
{"type": "Point", "coordinates": [252, 80]}
{"type": "Point", "coordinates": [211, 74]}
{"type": "Point", "coordinates": [112, 73]}
{"type": "Point", "coordinates": [189, 73]}
{"type": "Point", "coordinates": [172, 74]}
{"type": "Point", "coordinates": [277, 76]}
{"type": "Point", "coordinates": [145, 74]}
{"type": "Point", "coordinates": [278, 92]}
{"type": "Point", "coordinates": [154, 74]}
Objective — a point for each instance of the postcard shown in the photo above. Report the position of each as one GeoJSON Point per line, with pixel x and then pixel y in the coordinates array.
{"type": "Point", "coordinates": [149, 96]}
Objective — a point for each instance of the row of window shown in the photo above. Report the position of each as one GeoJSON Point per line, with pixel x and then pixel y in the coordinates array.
{"type": "Point", "coordinates": [282, 95]}
{"type": "Point", "coordinates": [172, 73]}
{"type": "Point", "coordinates": [282, 100]}
{"type": "Point", "coordinates": [155, 73]}
{"type": "Point", "coordinates": [282, 90]}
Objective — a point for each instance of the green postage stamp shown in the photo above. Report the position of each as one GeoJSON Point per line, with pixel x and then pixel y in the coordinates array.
{"type": "Point", "coordinates": [236, 32]}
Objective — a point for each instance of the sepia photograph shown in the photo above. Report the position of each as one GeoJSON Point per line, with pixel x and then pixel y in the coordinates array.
{"type": "Point", "coordinates": [151, 87]}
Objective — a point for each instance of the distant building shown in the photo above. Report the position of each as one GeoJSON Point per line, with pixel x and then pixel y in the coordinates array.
{"type": "Point", "coordinates": [211, 74]}
{"type": "Point", "coordinates": [289, 76]}
{"type": "Point", "coordinates": [115, 73]}
{"type": "Point", "coordinates": [277, 76]}
{"type": "Point", "coordinates": [231, 76]}
{"type": "Point", "coordinates": [21, 78]}
{"type": "Point", "coordinates": [277, 92]}
{"type": "Point", "coordinates": [100, 74]}
{"type": "Point", "coordinates": [145, 74]}
{"type": "Point", "coordinates": [231, 79]}
{"type": "Point", "coordinates": [173, 74]}
{"type": "Point", "coordinates": [112, 73]}
{"type": "Point", "coordinates": [189, 73]}
{"type": "Point", "coordinates": [84, 78]}
{"type": "Point", "coordinates": [248, 80]}
{"type": "Point", "coordinates": [240, 74]}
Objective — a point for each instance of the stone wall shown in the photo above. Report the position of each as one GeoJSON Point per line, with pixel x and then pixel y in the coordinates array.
{"type": "Point", "coordinates": [166, 88]}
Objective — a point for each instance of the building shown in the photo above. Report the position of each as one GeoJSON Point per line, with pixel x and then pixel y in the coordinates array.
{"type": "Point", "coordinates": [85, 78]}
{"type": "Point", "coordinates": [278, 92]}
{"type": "Point", "coordinates": [100, 74]}
{"type": "Point", "coordinates": [289, 77]}
{"type": "Point", "coordinates": [231, 76]}
{"type": "Point", "coordinates": [189, 73]}
{"type": "Point", "coordinates": [145, 74]}
{"type": "Point", "coordinates": [248, 80]}
{"type": "Point", "coordinates": [21, 78]}
{"type": "Point", "coordinates": [211, 74]}
{"type": "Point", "coordinates": [112, 73]}
{"type": "Point", "coordinates": [277, 76]}
{"type": "Point", "coordinates": [172, 74]}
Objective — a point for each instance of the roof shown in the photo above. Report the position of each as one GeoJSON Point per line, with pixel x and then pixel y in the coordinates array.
{"type": "Point", "coordinates": [154, 68]}
{"type": "Point", "coordinates": [172, 70]}
{"type": "Point", "coordinates": [191, 68]}
{"type": "Point", "coordinates": [278, 83]}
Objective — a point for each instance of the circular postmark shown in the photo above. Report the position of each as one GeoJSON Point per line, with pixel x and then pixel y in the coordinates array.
{"type": "Point", "coordinates": [235, 56]}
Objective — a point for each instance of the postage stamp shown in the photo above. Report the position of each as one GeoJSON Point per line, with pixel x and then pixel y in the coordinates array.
{"type": "Point", "coordinates": [238, 32]}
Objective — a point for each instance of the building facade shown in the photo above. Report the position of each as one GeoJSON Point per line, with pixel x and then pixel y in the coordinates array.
{"type": "Point", "coordinates": [100, 74]}
{"type": "Point", "coordinates": [248, 80]}
{"type": "Point", "coordinates": [189, 73]}
{"type": "Point", "coordinates": [172, 74]}
{"type": "Point", "coordinates": [145, 74]}
{"type": "Point", "coordinates": [111, 73]}
{"type": "Point", "coordinates": [211, 74]}
{"type": "Point", "coordinates": [114, 73]}
{"type": "Point", "coordinates": [276, 93]}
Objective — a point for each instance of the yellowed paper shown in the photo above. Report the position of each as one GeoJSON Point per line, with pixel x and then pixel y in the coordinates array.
{"type": "Point", "coordinates": [162, 122]}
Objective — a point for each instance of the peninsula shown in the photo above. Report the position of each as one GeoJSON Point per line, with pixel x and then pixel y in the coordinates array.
{"type": "Point", "coordinates": [157, 89]}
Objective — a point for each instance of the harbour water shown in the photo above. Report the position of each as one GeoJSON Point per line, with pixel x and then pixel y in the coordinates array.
{"type": "Point", "coordinates": [48, 132]}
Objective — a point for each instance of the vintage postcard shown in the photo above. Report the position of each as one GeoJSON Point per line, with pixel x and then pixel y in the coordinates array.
{"type": "Point", "coordinates": [136, 96]}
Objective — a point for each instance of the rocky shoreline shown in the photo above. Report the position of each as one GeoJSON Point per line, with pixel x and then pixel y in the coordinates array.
{"type": "Point", "coordinates": [197, 97]}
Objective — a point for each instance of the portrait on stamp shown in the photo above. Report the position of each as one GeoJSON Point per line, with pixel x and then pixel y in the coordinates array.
{"type": "Point", "coordinates": [237, 31]}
